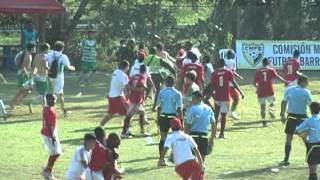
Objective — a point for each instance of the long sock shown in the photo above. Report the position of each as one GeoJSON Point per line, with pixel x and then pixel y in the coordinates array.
{"type": "Point", "coordinates": [141, 121]}
{"type": "Point", "coordinates": [52, 159]}
{"type": "Point", "coordinates": [126, 125]}
{"type": "Point", "coordinates": [223, 125]}
{"type": "Point", "coordinates": [287, 151]}
{"type": "Point", "coordinates": [161, 144]}
{"type": "Point", "coordinates": [313, 176]}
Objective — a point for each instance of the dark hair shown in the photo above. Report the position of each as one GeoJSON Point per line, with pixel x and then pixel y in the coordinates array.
{"type": "Point", "coordinates": [44, 47]}
{"type": "Point", "coordinates": [152, 50]}
{"type": "Point", "coordinates": [302, 78]}
{"type": "Point", "coordinates": [192, 56]}
{"type": "Point", "coordinates": [123, 41]}
{"type": "Point", "coordinates": [170, 81]}
{"type": "Point", "coordinates": [265, 62]}
{"type": "Point", "coordinates": [50, 99]}
{"type": "Point", "coordinates": [100, 134]}
{"type": "Point", "coordinates": [59, 45]}
{"type": "Point", "coordinates": [113, 140]}
{"type": "Point", "coordinates": [206, 59]}
{"type": "Point", "coordinates": [175, 129]}
{"type": "Point", "coordinates": [221, 62]}
{"type": "Point", "coordinates": [123, 64]}
{"type": "Point", "coordinates": [159, 46]}
{"type": "Point", "coordinates": [315, 108]}
{"type": "Point", "coordinates": [197, 94]}
{"type": "Point", "coordinates": [141, 46]}
{"type": "Point", "coordinates": [296, 53]}
{"type": "Point", "coordinates": [89, 137]}
{"type": "Point", "coordinates": [188, 45]}
{"type": "Point", "coordinates": [191, 75]}
{"type": "Point", "coordinates": [30, 46]}
{"type": "Point", "coordinates": [230, 54]}
{"type": "Point", "coordinates": [143, 68]}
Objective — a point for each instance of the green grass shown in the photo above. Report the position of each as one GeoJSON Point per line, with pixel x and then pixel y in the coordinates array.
{"type": "Point", "coordinates": [248, 152]}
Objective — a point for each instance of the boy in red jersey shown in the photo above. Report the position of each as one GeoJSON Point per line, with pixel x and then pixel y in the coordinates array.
{"type": "Point", "coordinates": [265, 92]}
{"type": "Point", "coordinates": [137, 91]}
{"type": "Point", "coordinates": [50, 135]}
{"type": "Point", "coordinates": [197, 67]}
{"type": "Point", "coordinates": [291, 69]}
{"type": "Point", "coordinates": [220, 81]}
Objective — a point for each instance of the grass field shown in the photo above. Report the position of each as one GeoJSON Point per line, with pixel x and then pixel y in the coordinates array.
{"type": "Point", "coordinates": [249, 152]}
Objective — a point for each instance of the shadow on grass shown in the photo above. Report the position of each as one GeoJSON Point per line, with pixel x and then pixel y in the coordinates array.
{"type": "Point", "coordinates": [140, 170]}
{"type": "Point", "coordinates": [255, 172]}
{"type": "Point", "coordinates": [86, 130]}
{"type": "Point", "coordinates": [138, 160]}
{"type": "Point", "coordinates": [243, 128]}
{"type": "Point", "coordinates": [8, 121]}
{"type": "Point", "coordinates": [246, 123]}
{"type": "Point", "coordinates": [76, 141]}
{"type": "Point", "coordinates": [74, 108]}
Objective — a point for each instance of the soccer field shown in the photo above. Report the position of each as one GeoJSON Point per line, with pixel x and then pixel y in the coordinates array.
{"type": "Point", "coordinates": [248, 152]}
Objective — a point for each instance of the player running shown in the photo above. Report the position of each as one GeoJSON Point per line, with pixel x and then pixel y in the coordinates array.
{"type": "Point", "coordinates": [137, 90]}
{"type": "Point", "coordinates": [197, 122]}
{"type": "Point", "coordinates": [311, 126]}
{"type": "Point", "coordinates": [25, 82]}
{"type": "Point", "coordinates": [231, 65]}
{"type": "Point", "coordinates": [169, 107]}
{"type": "Point", "coordinates": [195, 66]}
{"type": "Point", "coordinates": [40, 71]}
{"type": "Point", "coordinates": [291, 69]}
{"type": "Point", "coordinates": [295, 102]}
{"type": "Point", "coordinates": [221, 80]}
{"type": "Point", "coordinates": [50, 135]}
{"type": "Point", "coordinates": [118, 103]}
{"type": "Point", "coordinates": [189, 164]}
{"type": "Point", "coordinates": [58, 62]}
{"type": "Point", "coordinates": [265, 91]}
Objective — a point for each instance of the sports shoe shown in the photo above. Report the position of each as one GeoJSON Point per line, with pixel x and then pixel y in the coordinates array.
{"type": "Point", "coordinates": [221, 136]}
{"type": "Point", "coordinates": [284, 163]}
{"type": "Point", "coordinates": [66, 113]}
{"type": "Point", "coordinates": [264, 123]}
{"type": "Point", "coordinates": [272, 113]}
{"type": "Point", "coordinates": [79, 94]}
{"type": "Point", "coordinates": [162, 163]}
{"type": "Point", "coordinates": [126, 136]}
{"type": "Point", "coordinates": [234, 116]}
{"type": "Point", "coordinates": [47, 175]}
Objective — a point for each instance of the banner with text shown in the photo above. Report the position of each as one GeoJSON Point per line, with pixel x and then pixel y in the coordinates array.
{"type": "Point", "coordinates": [251, 52]}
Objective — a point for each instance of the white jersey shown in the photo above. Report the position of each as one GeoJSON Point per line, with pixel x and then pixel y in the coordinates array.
{"type": "Point", "coordinates": [76, 170]}
{"type": "Point", "coordinates": [135, 69]}
{"type": "Point", "coordinates": [231, 64]}
{"type": "Point", "coordinates": [182, 145]}
{"type": "Point", "coordinates": [63, 60]}
{"type": "Point", "coordinates": [118, 83]}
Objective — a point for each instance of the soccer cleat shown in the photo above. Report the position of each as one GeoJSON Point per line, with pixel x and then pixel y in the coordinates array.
{"type": "Point", "coordinates": [126, 136]}
{"type": "Point", "coordinates": [264, 123]}
{"type": "Point", "coordinates": [234, 116]}
{"type": "Point", "coordinates": [284, 163]}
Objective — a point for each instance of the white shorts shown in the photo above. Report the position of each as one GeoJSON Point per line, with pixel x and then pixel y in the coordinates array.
{"type": "Point", "coordinates": [53, 149]}
{"type": "Point", "coordinates": [269, 99]}
{"type": "Point", "coordinates": [57, 84]}
{"type": "Point", "coordinates": [224, 106]}
{"type": "Point", "coordinates": [93, 175]}
{"type": "Point", "coordinates": [134, 108]}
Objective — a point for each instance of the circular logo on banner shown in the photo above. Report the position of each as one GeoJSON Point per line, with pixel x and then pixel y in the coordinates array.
{"type": "Point", "coordinates": [253, 53]}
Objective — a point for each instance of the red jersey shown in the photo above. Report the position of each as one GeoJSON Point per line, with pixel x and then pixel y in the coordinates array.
{"type": "Point", "coordinates": [263, 79]}
{"type": "Point", "coordinates": [221, 80]}
{"type": "Point", "coordinates": [198, 68]}
{"type": "Point", "coordinates": [98, 157]}
{"type": "Point", "coordinates": [290, 69]}
{"type": "Point", "coordinates": [138, 80]}
{"type": "Point", "coordinates": [49, 120]}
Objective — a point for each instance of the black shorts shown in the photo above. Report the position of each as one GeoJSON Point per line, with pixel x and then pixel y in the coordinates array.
{"type": "Point", "coordinates": [313, 153]}
{"type": "Point", "coordinates": [293, 121]}
{"type": "Point", "coordinates": [164, 122]}
{"type": "Point", "coordinates": [201, 140]}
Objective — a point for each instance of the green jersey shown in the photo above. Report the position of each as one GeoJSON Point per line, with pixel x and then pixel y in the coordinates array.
{"type": "Point", "coordinates": [89, 53]}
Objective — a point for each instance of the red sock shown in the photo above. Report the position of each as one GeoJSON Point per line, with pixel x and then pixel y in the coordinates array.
{"type": "Point", "coordinates": [52, 159]}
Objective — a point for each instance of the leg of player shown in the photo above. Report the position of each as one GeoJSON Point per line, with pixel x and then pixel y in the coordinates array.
{"type": "Point", "coordinates": [126, 125]}
{"type": "Point", "coordinates": [106, 119]}
{"type": "Point", "coordinates": [61, 97]}
{"type": "Point", "coordinates": [272, 110]}
{"type": "Point", "coordinates": [217, 110]}
{"type": "Point", "coordinates": [143, 121]}
{"type": "Point", "coordinates": [313, 172]}
{"type": "Point", "coordinates": [156, 78]}
{"type": "Point", "coordinates": [234, 106]}
{"type": "Point", "coordinates": [163, 136]}
{"type": "Point", "coordinates": [47, 172]}
{"type": "Point", "coordinates": [289, 138]}
{"type": "Point", "coordinates": [223, 124]}
{"type": "Point", "coordinates": [263, 109]}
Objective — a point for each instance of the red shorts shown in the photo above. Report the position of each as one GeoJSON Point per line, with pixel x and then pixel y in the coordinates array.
{"type": "Point", "coordinates": [234, 93]}
{"type": "Point", "coordinates": [190, 169]}
{"type": "Point", "coordinates": [118, 105]}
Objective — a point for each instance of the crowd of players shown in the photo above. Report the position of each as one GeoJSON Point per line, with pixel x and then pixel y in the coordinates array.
{"type": "Point", "coordinates": [183, 88]}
